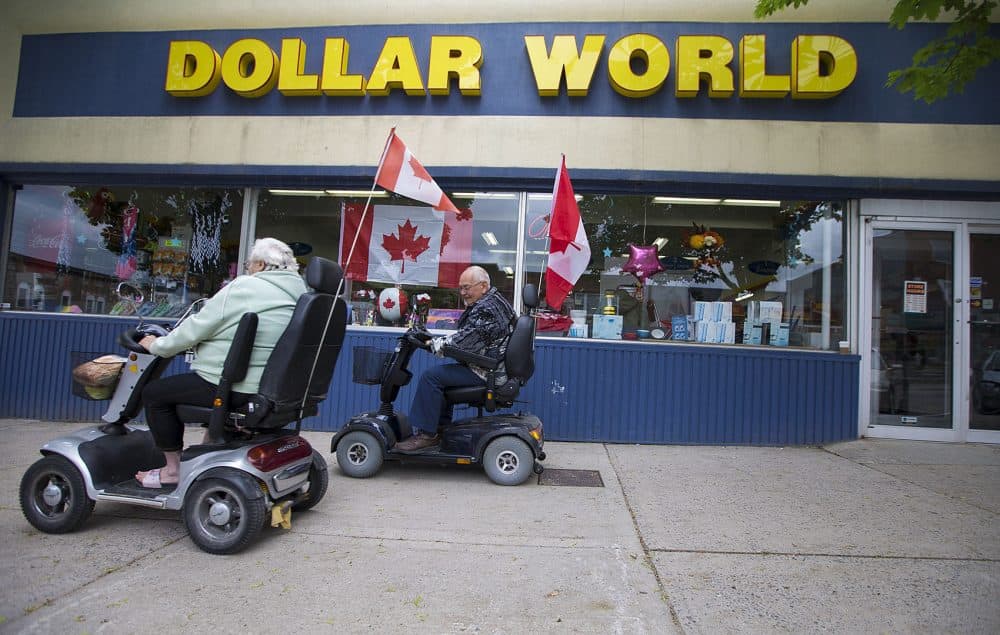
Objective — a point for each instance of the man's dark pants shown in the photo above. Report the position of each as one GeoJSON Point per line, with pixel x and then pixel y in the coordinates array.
{"type": "Point", "coordinates": [428, 410]}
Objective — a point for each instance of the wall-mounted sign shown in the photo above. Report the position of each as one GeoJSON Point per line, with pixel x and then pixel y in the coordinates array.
{"type": "Point", "coordinates": [637, 66]}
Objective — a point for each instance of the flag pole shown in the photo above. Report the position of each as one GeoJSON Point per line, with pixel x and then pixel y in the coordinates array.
{"type": "Point", "coordinates": [364, 212]}
{"type": "Point", "coordinates": [548, 228]}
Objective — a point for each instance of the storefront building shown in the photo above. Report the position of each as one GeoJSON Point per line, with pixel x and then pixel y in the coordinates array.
{"type": "Point", "coordinates": [784, 250]}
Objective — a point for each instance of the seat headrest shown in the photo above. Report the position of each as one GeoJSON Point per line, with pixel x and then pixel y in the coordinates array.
{"type": "Point", "coordinates": [530, 296]}
{"type": "Point", "coordinates": [324, 275]}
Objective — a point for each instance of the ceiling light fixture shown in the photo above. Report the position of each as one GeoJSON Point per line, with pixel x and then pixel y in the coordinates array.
{"type": "Point", "coordinates": [490, 239]}
{"type": "Point", "coordinates": [743, 295]}
{"type": "Point", "coordinates": [750, 202]}
{"type": "Point", "coordinates": [677, 200]}
{"type": "Point", "coordinates": [358, 193]}
{"type": "Point", "coordinates": [297, 192]}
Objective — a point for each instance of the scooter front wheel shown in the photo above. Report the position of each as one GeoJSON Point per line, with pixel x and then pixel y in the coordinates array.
{"type": "Point", "coordinates": [220, 517]}
{"type": "Point", "coordinates": [54, 497]}
{"type": "Point", "coordinates": [508, 461]}
{"type": "Point", "coordinates": [319, 480]}
{"type": "Point", "coordinates": [359, 454]}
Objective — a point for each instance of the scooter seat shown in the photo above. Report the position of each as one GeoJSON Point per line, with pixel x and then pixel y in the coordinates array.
{"type": "Point", "coordinates": [465, 395]}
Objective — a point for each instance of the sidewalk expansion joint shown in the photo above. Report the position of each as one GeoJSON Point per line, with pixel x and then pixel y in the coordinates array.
{"type": "Point", "coordinates": [874, 467]}
{"type": "Point", "coordinates": [646, 553]}
{"type": "Point", "coordinates": [819, 554]}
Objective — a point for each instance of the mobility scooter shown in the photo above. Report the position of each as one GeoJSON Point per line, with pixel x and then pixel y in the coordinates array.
{"type": "Point", "coordinates": [249, 471]}
{"type": "Point", "coordinates": [507, 445]}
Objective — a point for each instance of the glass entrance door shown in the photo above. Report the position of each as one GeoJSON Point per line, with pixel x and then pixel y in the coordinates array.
{"type": "Point", "coordinates": [984, 334]}
{"type": "Point", "coordinates": [913, 344]}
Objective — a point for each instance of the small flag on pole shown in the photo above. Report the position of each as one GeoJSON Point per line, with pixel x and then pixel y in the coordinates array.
{"type": "Point", "coordinates": [569, 249]}
{"type": "Point", "coordinates": [400, 172]}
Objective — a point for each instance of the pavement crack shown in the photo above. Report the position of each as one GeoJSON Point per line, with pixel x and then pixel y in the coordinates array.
{"type": "Point", "coordinates": [646, 552]}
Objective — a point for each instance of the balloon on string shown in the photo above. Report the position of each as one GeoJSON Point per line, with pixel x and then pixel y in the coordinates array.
{"type": "Point", "coordinates": [392, 304]}
{"type": "Point", "coordinates": [642, 262]}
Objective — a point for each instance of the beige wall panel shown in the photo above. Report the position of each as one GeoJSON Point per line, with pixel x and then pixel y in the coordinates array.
{"type": "Point", "coordinates": [31, 16]}
{"type": "Point", "coordinates": [724, 146]}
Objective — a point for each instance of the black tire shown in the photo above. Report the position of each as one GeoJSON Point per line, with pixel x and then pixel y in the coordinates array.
{"type": "Point", "coordinates": [359, 454]}
{"type": "Point", "coordinates": [54, 496]}
{"type": "Point", "coordinates": [235, 522]}
{"type": "Point", "coordinates": [508, 461]}
{"type": "Point", "coordinates": [319, 479]}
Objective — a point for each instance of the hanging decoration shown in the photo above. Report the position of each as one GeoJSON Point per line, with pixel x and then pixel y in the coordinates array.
{"type": "Point", "coordinates": [642, 262]}
{"type": "Point", "coordinates": [207, 219]}
{"type": "Point", "coordinates": [126, 264]}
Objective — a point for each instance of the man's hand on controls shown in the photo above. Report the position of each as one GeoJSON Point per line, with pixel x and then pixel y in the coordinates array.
{"type": "Point", "coordinates": [147, 341]}
{"type": "Point", "coordinates": [436, 345]}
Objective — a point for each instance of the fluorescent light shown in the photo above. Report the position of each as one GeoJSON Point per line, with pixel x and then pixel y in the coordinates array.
{"type": "Point", "coordinates": [750, 202]}
{"type": "Point", "coordinates": [298, 192]}
{"type": "Point", "coordinates": [743, 295]}
{"type": "Point", "coordinates": [495, 195]}
{"type": "Point", "coordinates": [548, 197]}
{"type": "Point", "coordinates": [508, 270]}
{"type": "Point", "coordinates": [660, 242]}
{"type": "Point", "coordinates": [359, 193]}
{"type": "Point", "coordinates": [675, 200]}
{"type": "Point", "coordinates": [490, 239]}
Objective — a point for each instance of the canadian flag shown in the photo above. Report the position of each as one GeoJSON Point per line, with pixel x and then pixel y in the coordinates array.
{"type": "Point", "coordinates": [406, 245]}
{"type": "Point", "coordinates": [569, 249]}
{"type": "Point", "coordinates": [400, 172]}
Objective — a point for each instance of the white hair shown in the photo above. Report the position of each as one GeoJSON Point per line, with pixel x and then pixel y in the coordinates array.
{"type": "Point", "coordinates": [274, 254]}
{"type": "Point", "coordinates": [480, 274]}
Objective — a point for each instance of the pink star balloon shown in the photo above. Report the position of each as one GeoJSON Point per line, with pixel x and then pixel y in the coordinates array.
{"type": "Point", "coordinates": [642, 262]}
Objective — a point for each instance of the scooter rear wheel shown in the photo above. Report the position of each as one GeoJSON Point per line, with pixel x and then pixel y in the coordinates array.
{"type": "Point", "coordinates": [220, 517]}
{"type": "Point", "coordinates": [359, 454]}
{"type": "Point", "coordinates": [54, 496]}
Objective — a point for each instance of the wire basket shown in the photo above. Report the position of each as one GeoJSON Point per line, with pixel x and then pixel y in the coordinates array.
{"type": "Point", "coordinates": [370, 364]}
{"type": "Point", "coordinates": [95, 376]}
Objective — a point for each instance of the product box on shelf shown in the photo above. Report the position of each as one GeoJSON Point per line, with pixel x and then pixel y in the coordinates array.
{"type": "Point", "coordinates": [608, 327]}
{"type": "Point", "coordinates": [779, 334]}
{"type": "Point", "coordinates": [752, 332]}
{"type": "Point", "coordinates": [679, 328]}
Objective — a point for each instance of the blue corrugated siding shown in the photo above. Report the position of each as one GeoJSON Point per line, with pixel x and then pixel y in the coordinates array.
{"type": "Point", "coordinates": [583, 390]}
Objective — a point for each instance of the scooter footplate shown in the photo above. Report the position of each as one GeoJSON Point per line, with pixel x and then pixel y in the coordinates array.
{"type": "Point", "coordinates": [133, 489]}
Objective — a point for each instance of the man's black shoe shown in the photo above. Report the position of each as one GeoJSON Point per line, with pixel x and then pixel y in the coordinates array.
{"type": "Point", "coordinates": [419, 441]}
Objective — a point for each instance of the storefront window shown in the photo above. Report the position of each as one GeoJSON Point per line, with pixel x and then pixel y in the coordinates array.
{"type": "Point", "coordinates": [406, 253]}
{"type": "Point", "coordinates": [702, 270]}
{"type": "Point", "coordinates": [71, 246]}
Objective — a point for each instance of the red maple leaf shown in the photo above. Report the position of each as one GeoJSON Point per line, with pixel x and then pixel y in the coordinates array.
{"type": "Point", "coordinates": [419, 171]}
{"type": "Point", "coordinates": [407, 245]}
{"type": "Point", "coordinates": [445, 237]}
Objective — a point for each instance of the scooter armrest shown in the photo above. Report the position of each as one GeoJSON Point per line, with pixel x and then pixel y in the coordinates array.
{"type": "Point", "coordinates": [461, 355]}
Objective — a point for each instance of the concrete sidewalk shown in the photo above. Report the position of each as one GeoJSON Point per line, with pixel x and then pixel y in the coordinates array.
{"type": "Point", "coordinates": [864, 536]}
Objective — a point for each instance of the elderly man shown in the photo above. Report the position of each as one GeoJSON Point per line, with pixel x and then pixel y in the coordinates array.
{"type": "Point", "coordinates": [483, 329]}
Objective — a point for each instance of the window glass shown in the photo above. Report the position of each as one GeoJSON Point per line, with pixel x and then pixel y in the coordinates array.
{"type": "Point", "coordinates": [404, 248]}
{"type": "Point", "coordinates": [71, 246]}
{"type": "Point", "coordinates": [702, 270]}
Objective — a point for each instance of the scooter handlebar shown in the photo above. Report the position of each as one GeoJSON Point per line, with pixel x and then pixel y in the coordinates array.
{"type": "Point", "coordinates": [129, 339]}
{"type": "Point", "coordinates": [419, 337]}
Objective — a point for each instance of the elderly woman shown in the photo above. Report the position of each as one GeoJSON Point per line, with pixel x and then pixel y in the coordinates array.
{"type": "Point", "coordinates": [270, 290]}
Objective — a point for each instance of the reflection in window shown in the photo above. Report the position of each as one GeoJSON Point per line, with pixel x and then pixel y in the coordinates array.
{"type": "Point", "coordinates": [175, 244]}
{"type": "Point", "coordinates": [719, 270]}
{"type": "Point", "coordinates": [400, 244]}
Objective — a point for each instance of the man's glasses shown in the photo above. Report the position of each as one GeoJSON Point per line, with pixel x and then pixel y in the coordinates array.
{"type": "Point", "coordinates": [465, 287]}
